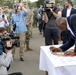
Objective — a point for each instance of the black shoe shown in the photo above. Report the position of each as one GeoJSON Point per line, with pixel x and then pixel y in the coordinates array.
{"type": "Point", "coordinates": [21, 59]}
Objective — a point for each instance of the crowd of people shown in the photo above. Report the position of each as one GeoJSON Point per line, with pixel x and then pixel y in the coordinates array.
{"type": "Point", "coordinates": [14, 21]}
{"type": "Point", "coordinates": [20, 20]}
{"type": "Point", "coordinates": [55, 26]}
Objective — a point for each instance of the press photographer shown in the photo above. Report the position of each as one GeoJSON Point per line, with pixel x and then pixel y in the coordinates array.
{"type": "Point", "coordinates": [5, 53]}
{"type": "Point", "coordinates": [6, 37]}
{"type": "Point", "coordinates": [51, 31]}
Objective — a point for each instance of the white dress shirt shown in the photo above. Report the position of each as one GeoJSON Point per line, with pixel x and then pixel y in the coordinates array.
{"type": "Point", "coordinates": [2, 23]}
{"type": "Point", "coordinates": [68, 12]}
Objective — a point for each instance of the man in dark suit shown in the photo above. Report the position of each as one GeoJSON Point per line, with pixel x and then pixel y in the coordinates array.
{"type": "Point", "coordinates": [68, 24]}
{"type": "Point", "coordinates": [66, 12]}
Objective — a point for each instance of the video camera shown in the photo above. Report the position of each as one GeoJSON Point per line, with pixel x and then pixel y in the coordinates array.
{"type": "Point", "coordinates": [12, 36]}
{"type": "Point", "coordinates": [47, 4]}
{"type": "Point", "coordinates": [6, 43]}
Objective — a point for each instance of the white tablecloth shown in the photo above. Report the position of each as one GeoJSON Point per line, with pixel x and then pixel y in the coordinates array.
{"type": "Point", "coordinates": [46, 64]}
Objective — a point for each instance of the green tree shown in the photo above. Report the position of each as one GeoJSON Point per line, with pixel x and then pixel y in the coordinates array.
{"type": "Point", "coordinates": [42, 1]}
{"type": "Point", "coordinates": [6, 3]}
{"type": "Point", "coordinates": [39, 2]}
{"type": "Point", "coordinates": [32, 4]}
{"type": "Point", "coordinates": [58, 1]}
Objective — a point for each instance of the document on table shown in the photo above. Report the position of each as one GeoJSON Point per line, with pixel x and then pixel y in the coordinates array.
{"type": "Point", "coordinates": [58, 61]}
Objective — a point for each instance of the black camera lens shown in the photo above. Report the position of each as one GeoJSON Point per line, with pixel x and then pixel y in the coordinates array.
{"type": "Point", "coordinates": [2, 16]}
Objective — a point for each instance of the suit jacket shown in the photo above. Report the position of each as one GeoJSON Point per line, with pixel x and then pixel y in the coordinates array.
{"type": "Point", "coordinates": [72, 23]}
{"type": "Point", "coordinates": [64, 12]}
{"type": "Point", "coordinates": [64, 34]}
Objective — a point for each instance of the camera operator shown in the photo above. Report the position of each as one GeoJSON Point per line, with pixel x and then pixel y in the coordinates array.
{"type": "Point", "coordinates": [5, 54]}
{"type": "Point", "coordinates": [51, 31]}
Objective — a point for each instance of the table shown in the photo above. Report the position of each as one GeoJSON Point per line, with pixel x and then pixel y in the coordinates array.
{"type": "Point", "coordinates": [46, 63]}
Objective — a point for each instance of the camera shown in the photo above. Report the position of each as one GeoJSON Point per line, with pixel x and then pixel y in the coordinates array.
{"type": "Point", "coordinates": [3, 16]}
{"type": "Point", "coordinates": [47, 5]}
{"type": "Point", "coordinates": [6, 43]}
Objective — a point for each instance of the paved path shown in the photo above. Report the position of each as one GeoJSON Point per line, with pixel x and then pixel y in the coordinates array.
{"type": "Point", "coordinates": [31, 64]}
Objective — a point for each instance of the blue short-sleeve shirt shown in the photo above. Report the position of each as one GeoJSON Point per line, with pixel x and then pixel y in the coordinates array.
{"type": "Point", "coordinates": [20, 21]}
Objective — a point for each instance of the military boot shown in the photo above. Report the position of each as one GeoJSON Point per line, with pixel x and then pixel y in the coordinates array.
{"type": "Point", "coordinates": [28, 48]}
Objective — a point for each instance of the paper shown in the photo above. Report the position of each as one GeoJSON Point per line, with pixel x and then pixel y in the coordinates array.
{"type": "Point", "coordinates": [62, 60]}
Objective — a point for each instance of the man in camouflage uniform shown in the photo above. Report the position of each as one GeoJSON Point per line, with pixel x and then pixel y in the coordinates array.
{"type": "Point", "coordinates": [35, 17]}
{"type": "Point", "coordinates": [29, 18]}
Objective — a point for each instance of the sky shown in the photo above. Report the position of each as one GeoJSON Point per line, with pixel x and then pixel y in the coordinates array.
{"type": "Point", "coordinates": [33, 0]}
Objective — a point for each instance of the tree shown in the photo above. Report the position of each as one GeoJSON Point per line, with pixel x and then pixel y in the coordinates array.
{"type": "Point", "coordinates": [39, 2]}
{"type": "Point", "coordinates": [6, 3]}
{"type": "Point", "coordinates": [42, 2]}
{"type": "Point", "coordinates": [32, 4]}
{"type": "Point", "coordinates": [58, 1]}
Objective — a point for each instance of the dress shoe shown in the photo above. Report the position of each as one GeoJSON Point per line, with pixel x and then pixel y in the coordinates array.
{"type": "Point", "coordinates": [21, 59]}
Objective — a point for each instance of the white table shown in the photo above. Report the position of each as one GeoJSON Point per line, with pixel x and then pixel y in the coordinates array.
{"type": "Point", "coordinates": [46, 63]}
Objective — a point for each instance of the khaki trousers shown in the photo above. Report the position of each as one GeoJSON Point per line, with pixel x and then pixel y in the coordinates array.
{"type": "Point", "coordinates": [22, 46]}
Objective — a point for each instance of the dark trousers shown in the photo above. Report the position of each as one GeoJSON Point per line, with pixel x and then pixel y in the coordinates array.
{"type": "Point", "coordinates": [17, 73]}
{"type": "Point", "coordinates": [65, 36]}
{"type": "Point", "coordinates": [44, 24]}
{"type": "Point", "coordinates": [40, 27]}
{"type": "Point", "coordinates": [51, 35]}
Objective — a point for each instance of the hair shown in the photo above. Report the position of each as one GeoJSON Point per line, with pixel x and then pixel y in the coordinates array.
{"type": "Point", "coordinates": [2, 29]}
{"type": "Point", "coordinates": [59, 20]}
{"type": "Point", "coordinates": [69, 1]}
{"type": "Point", "coordinates": [17, 8]}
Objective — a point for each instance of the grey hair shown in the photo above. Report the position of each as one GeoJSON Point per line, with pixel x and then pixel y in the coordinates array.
{"type": "Point", "coordinates": [59, 20]}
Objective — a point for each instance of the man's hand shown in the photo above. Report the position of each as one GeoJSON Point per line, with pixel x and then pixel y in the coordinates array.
{"type": "Point", "coordinates": [51, 9]}
{"type": "Point", "coordinates": [53, 49]}
{"type": "Point", "coordinates": [1, 19]}
{"type": "Point", "coordinates": [28, 23]}
{"type": "Point", "coordinates": [69, 53]}
{"type": "Point", "coordinates": [39, 15]}
{"type": "Point", "coordinates": [4, 20]}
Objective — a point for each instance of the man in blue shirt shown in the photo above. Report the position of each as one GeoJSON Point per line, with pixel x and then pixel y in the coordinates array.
{"type": "Point", "coordinates": [19, 18]}
{"type": "Point", "coordinates": [40, 14]}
